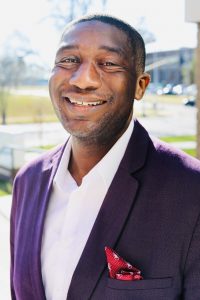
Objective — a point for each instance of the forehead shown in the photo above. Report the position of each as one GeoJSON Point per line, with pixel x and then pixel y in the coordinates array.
{"type": "Point", "coordinates": [95, 34]}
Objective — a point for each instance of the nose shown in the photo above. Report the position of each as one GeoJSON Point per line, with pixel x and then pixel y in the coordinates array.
{"type": "Point", "coordinates": [86, 77]}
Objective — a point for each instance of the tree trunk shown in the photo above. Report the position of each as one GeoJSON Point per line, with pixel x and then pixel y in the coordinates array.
{"type": "Point", "coordinates": [198, 89]}
{"type": "Point", "coordinates": [3, 116]}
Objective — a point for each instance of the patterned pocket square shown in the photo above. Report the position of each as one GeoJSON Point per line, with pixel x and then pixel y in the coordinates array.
{"type": "Point", "coordinates": [119, 268]}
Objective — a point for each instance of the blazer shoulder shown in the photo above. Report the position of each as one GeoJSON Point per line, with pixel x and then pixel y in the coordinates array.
{"type": "Point", "coordinates": [176, 159]}
{"type": "Point", "coordinates": [41, 163]}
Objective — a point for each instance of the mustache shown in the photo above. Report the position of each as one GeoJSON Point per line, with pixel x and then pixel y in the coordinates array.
{"type": "Point", "coordinates": [88, 95]}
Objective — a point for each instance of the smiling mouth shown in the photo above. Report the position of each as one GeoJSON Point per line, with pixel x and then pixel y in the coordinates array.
{"type": "Point", "coordinates": [84, 103]}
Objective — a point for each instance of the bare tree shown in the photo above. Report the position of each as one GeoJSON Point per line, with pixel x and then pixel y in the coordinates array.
{"type": "Point", "coordinates": [11, 74]}
{"type": "Point", "coordinates": [12, 68]}
{"type": "Point", "coordinates": [65, 11]}
{"type": "Point", "coordinates": [142, 27]}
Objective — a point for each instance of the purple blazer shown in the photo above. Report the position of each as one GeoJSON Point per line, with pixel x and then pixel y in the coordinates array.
{"type": "Point", "coordinates": [150, 216]}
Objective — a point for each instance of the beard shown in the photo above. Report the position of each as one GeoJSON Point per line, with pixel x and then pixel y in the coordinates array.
{"type": "Point", "coordinates": [104, 132]}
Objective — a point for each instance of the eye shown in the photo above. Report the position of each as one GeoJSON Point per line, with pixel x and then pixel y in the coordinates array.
{"type": "Point", "coordinates": [108, 64]}
{"type": "Point", "coordinates": [111, 66]}
{"type": "Point", "coordinates": [68, 61]}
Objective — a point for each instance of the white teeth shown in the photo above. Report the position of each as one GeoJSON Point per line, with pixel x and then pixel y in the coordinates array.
{"type": "Point", "coordinates": [82, 103]}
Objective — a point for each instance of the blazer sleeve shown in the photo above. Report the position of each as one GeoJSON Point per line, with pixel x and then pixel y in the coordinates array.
{"type": "Point", "coordinates": [192, 267]}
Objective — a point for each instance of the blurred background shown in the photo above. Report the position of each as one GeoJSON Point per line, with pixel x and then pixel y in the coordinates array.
{"type": "Point", "coordinates": [29, 35]}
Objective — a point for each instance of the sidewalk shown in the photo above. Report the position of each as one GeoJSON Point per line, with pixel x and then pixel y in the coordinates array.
{"type": "Point", "coordinates": [5, 204]}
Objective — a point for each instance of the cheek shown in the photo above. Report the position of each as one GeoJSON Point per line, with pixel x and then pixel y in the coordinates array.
{"type": "Point", "coordinates": [123, 83]}
{"type": "Point", "coordinates": [57, 79]}
{"type": "Point", "coordinates": [125, 89]}
{"type": "Point", "coordinates": [53, 79]}
{"type": "Point", "coordinates": [130, 88]}
{"type": "Point", "coordinates": [54, 87]}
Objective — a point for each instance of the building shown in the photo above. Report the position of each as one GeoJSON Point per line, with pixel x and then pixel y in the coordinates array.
{"type": "Point", "coordinates": [171, 66]}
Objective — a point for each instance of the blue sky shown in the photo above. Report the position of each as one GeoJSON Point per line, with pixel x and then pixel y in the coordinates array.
{"type": "Point", "coordinates": [165, 19]}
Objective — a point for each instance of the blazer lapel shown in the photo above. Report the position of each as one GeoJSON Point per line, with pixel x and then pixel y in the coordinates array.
{"type": "Point", "coordinates": [111, 218]}
{"type": "Point", "coordinates": [40, 207]}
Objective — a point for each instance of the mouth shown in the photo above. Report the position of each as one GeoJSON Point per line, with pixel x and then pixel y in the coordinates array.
{"type": "Point", "coordinates": [81, 103]}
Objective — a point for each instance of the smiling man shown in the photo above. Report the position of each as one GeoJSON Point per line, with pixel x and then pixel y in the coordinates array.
{"type": "Point", "coordinates": [110, 186]}
{"type": "Point", "coordinates": [92, 87]}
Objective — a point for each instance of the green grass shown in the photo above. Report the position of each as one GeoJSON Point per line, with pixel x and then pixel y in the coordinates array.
{"type": "Point", "coordinates": [191, 152]}
{"type": "Point", "coordinates": [29, 109]}
{"type": "Point", "coordinates": [181, 138]}
{"type": "Point", "coordinates": [5, 187]}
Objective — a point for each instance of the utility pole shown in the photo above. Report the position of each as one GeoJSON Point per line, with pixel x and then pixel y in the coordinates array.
{"type": "Point", "coordinates": [192, 14]}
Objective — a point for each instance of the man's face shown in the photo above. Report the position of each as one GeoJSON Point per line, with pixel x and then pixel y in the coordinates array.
{"type": "Point", "coordinates": [92, 84]}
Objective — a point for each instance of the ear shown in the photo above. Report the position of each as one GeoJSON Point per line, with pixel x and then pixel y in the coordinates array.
{"type": "Point", "coordinates": [141, 85]}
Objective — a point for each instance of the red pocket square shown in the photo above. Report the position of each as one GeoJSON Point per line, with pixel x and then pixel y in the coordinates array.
{"type": "Point", "coordinates": [119, 268]}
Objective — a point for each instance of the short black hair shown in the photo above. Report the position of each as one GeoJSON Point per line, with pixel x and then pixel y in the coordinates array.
{"type": "Point", "coordinates": [136, 41]}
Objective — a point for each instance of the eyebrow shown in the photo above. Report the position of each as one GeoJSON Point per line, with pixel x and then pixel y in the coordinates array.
{"type": "Point", "coordinates": [67, 47]}
{"type": "Point", "coordinates": [117, 50]}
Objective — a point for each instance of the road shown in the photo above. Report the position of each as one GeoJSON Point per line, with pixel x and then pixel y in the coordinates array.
{"type": "Point", "coordinates": [169, 120]}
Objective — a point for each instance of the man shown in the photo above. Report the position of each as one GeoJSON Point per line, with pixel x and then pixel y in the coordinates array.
{"type": "Point", "coordinates": [110, 185]}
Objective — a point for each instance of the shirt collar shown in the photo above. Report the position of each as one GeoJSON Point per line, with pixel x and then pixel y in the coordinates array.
{"type": "Point", "coordinates": [106, 167]}
{"type": "Point", "coordinates": [61, 174]}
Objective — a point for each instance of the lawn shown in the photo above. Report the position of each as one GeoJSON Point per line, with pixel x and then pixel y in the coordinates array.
{"type": "Point", "coordinates": [181, 138]}
{"type": "Point", "coordinates": [29, 109]}
{"type": "Point", "coordinates": [191, 152]}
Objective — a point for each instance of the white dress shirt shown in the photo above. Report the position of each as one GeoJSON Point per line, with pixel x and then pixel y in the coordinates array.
{"type": "Point", "coordinates": [71, 214]}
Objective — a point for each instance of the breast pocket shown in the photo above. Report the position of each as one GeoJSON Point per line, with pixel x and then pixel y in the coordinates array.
{"type": "Point", "coordinates": [149, 289]}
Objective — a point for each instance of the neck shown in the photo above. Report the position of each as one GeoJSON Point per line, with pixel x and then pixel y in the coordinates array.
{"type": "Point", "coordinates": [86, 154]}
{"type": "Point", "coordinates": [84, 158]}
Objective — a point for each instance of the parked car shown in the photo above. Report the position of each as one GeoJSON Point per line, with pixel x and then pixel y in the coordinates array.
{"type": "Point", "coordinates": [178, 89]}
{"type": "Point", "coordinates": [170, 89]}
{"type": "Point", "coordinates": [189, 101]}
